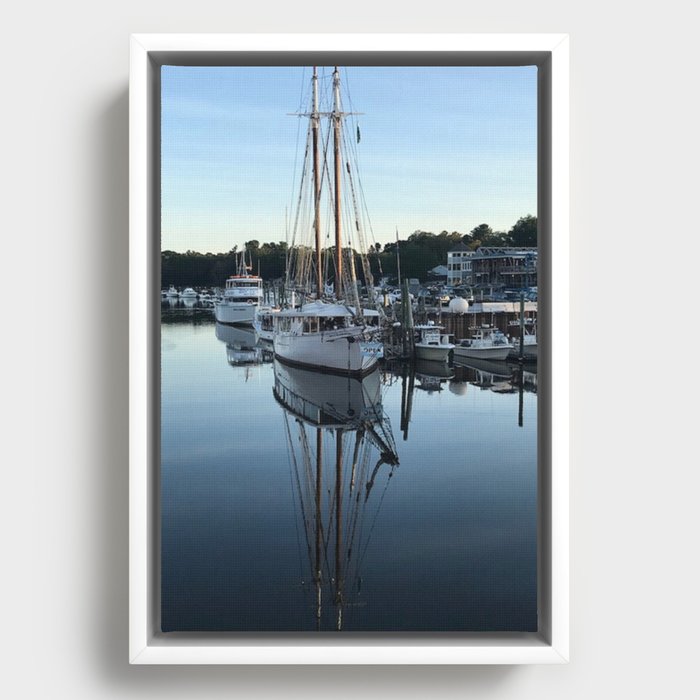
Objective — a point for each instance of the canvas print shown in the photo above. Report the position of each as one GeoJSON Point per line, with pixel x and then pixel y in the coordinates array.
{"type": "Point", "coordinates": [348, 349]}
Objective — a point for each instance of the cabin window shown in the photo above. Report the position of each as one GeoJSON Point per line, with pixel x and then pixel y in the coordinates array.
{"type": "Point", "coordinates": [311, 325]}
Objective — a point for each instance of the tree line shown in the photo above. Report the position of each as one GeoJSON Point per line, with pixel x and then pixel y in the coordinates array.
{"type": "Point", "coordinates": [419, 253]}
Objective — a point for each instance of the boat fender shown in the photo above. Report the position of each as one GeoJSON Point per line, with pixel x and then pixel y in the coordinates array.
{"type": "Point", "coordinates": [351, 339]}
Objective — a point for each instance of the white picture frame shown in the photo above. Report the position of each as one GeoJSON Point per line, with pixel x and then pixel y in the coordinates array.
{"type": "Point", "coordinates": [550, 645]}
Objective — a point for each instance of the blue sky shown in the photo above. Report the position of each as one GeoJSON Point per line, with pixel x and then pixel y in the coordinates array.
{"type": "Point", "coordinates": [442, 148]}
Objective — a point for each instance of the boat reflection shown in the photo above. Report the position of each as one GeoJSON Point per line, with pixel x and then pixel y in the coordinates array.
{"type": "Point", "coordinates": [242, 346]}
{"type": "Point", "coordinates": [431, 375]}
{"type": "Point", "coordinates": [338, 438]}
{"type": "Point", "coordinates": [497, 375]}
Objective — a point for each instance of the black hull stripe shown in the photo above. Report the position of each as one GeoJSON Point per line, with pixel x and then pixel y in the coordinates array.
{"type": "Point", "coordinates": [327, 370]}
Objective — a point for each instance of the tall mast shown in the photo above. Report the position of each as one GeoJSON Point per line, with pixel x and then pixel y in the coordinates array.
{"type": "Point", "coordinates": [337, 116]}
{"type": "Point", "coordinates": [398, 257]}
{"type": "Point", "coordinates": [319, 482]}
{"type": "Point", "coordinates": [339, 525]}
{"type": "Point", "coordinates": [317, 185]}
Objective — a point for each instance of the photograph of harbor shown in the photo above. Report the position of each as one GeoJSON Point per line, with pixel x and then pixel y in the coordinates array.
{"type": "Point", "coordinates": [349, 339]}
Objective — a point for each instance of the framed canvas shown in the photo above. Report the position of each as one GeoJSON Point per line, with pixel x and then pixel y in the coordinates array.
{"type": "Point", "coordinates": [285, 509]}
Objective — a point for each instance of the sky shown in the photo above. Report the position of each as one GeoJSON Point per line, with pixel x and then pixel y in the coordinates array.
{"type": "Point", "coordinates": [441, 148]}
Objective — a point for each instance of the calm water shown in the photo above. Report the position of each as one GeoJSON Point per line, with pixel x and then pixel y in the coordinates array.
{"type": "Point", "coordinates": [445, 540]}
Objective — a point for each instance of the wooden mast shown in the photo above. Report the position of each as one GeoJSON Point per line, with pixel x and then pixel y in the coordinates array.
{"type": "Point", "coordinates": [337, 116]}
{"type": "Point", "coordinates": [317, 573]}
{"type": "Point", "coordinates": [339, 526]}
{"type": "Point", "coordinates": [317, 186]}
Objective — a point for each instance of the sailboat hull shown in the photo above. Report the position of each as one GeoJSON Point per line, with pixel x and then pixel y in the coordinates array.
{"type": "Point", "coordinates": [336, 352]}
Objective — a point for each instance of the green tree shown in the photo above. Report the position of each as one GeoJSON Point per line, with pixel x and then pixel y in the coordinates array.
{"type": "Point", "coordinates": [524, 232]}
{"type": "Point", "coordinates": [481, 232]}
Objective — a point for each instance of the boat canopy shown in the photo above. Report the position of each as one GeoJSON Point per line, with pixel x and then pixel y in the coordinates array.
{"type": "Point", "coordinates": [318, 308]}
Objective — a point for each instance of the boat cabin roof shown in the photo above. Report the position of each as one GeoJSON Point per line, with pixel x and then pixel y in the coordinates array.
{"type": "Point", "coordinates": [326, 309]}
{"type": "Point", "coordinates": [318, 308]}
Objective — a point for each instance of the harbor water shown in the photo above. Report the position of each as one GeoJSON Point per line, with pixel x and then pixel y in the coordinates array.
{"type": "Point", "coordinates": [296, 502]}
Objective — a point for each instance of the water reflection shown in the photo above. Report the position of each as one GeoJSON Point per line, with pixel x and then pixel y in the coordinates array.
{"type": "Point", "coordinates": [496, 375]}
{"type": "Point", "coordinates": [338, 438]}
{"type": "Point", "coordinates": [500, 377]}
{"type": "Point", "coordinates": [430, 376]}
{"type": "Point", "coordinates": [242, 345]}
{"type": "Point", "coordinates": [310, 531]}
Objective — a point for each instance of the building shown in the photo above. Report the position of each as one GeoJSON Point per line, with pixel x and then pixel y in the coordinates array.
{"type": "Point", "coordinates": [438, 274]}
{"type": "Point", "coordinates": [459, 264]}
{"type": "Point", "coordinates": [496, 270]}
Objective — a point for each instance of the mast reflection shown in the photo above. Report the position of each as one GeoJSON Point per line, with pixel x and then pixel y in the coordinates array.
{"type": "Point", "coordinates": [338, 439]}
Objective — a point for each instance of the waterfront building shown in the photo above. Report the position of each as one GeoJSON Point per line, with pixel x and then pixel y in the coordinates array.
{"type": "Point", "coordinates": [459, 264]}
{"type": "Point", "coordinates": [495, 270]}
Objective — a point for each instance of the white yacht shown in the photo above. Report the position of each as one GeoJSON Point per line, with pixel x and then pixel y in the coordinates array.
{"type": "Point", "coordinates": [487, 343]}
{"type": "Point", "coordinates": [242, 296]}
{"type": "Point", "coordinates": [172, 293]}
{"type": "Point", "coordinates": [431, 344]}
{"type": "Point", "coordinates": [188, 293]}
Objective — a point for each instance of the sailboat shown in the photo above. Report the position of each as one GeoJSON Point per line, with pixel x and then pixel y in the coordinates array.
{"type": "Point", "coordinates": [341, 445]}
{"type": "Point", "coordinates": [241, 298]}
{"type": "Point", "coordinates": [335, 334]}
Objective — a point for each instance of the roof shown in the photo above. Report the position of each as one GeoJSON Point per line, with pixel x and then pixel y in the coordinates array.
{"type": "Point", "coordinates": [319, 308]}
{"type": "Point", "coordinates": [326, 309]}
{"type": "Point", "coordinates": [459, 248]}
{"type": "Point", "coordinates": [505, 252]}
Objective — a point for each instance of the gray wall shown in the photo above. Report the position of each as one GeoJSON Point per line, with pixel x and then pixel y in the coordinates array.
{"type": "Point", "coordinates": [634, 155]}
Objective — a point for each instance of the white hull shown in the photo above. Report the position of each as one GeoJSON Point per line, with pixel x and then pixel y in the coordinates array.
{"type": "Point", "coordinates": [235, 312]}
{"type": "Point", "coordinates": [500, 352]}
{"type": "Point", "coordinates": [266, 333]}
{"type": "Point", "coordinates": [529, 349]}
{"type": "Point", "coordinates": [338, 351]}
{"type": "Point", "coordinates": [439, 353]}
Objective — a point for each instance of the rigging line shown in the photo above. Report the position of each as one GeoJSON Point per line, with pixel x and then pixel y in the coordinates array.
{"type": "Point", "coordinates": [296, 149]}
{"type": "Point", "coordinates": [364, 209]}
{"type": "Point", "coordinates": [303, 439]}
{"type": "Point", "coordinates": [330, 209]}
{"type": "Point", "coordinates": [374, 521]}
{"type": "Point", "coordinates": [352, 525]}
{"type": "Point", "coordinates": [291, 481]}
{"type": "Point", "coordinates": [359, 510]}
{"type": "Point", "coordinates": [301, 500]}
{"type": "Point", "coordinates": [358, 227]}
{"type": "Point", "coordinates": [301, 196]}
